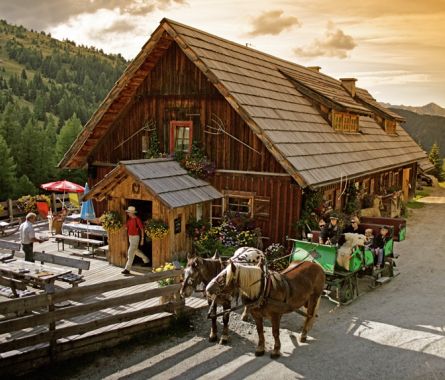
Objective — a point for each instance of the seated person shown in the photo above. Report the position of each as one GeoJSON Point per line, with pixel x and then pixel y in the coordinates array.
{"type": "Point", "coordinates": [369, 238]}
{"type": "Point", "coordinates": [353, 227]}
{"type": "Point", "coordinates": [321, 226]}
{"type": "Point", "coordinates": [379, 246]}
{"type": "Point", "coordinates": [58, 220]}
{"type": "Point", "coordinates": [331, 233]}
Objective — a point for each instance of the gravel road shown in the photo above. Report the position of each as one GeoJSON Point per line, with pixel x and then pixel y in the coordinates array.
{"type": "Point", "coordinates": [396, 331]}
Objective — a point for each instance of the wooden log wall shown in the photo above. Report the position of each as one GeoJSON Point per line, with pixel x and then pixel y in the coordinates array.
{"type": "Point", "coordinates": [285, 201]}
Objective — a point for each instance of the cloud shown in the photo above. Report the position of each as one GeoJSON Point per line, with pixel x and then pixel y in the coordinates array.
{"type": "Point", "coordinates": [272, 22]}
{"type": "Point", "coordinates": [43, 14]}
{"type": "Point", "coordinates": [334, 44]}
{"type": "Point", "coordinates": [120, 26]}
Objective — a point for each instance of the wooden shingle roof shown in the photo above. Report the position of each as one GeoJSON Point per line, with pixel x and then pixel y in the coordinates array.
{"type": "Point", "coordinates": [263, 90]}
{"type": "Point", "coordinates": [164, 178]}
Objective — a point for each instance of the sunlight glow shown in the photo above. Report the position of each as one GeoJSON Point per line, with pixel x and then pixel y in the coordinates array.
{"type": "Point", "coordinates": [394, 336]}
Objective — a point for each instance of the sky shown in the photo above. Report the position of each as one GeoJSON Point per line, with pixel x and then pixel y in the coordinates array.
{"type": "Point", "coordinates": [394, 48]}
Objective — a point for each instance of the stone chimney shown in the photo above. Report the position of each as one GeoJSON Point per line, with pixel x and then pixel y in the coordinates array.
{"type": "Point", "coordinates": [349, 85]}
{"type": "Point", "coordinates": [314, 68]}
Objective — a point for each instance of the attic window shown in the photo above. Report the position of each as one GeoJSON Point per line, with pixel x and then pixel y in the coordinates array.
{"type": "Point", "coordinates": [390, 127]}
{"type": "Point", "coordinates": [345, 122]}
{"type": "Point", "coordinates": [181, 136]}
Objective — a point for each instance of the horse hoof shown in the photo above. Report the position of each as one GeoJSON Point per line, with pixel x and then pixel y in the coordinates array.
{"type": "Point", "coordinates": [245, 318]}
{"type": "Point", "coordinates": [275, 355]}
{"type": "Point", "coordinates": [259, 353]}
{"type": "Point", "coordinates": [213, 339]}
{"type": "Point", "coordinates": [223, 341]}
{"type": "Point", "coordinates": [303, 339]}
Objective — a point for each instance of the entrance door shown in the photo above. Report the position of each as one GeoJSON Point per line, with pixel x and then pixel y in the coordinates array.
{"type": "Point", "coordinates": [406, 181]}
{"type": "Point", "coordinates": [144, 211]}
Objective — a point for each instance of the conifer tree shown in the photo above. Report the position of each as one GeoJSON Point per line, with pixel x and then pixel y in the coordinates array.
{"type": "Point", "coordinates": [434, 157]}
{"type": "Point", "coordinates": [7, 171]}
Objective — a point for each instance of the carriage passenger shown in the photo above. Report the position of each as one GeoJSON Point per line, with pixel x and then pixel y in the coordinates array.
{"type": "Point", "coordinates": [353, 226]}
{"type": "Point", "coordinates": [322, 226]}
{"type": "Point", "coordinates": [331, 233]}
{"type": "Point", "coordinates": [369, 239]}
{"type": "Point", "coordinates": [379, 245]}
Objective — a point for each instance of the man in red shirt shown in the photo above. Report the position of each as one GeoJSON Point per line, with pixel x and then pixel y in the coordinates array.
{"type": "Point", "coordinates": [135, 231]}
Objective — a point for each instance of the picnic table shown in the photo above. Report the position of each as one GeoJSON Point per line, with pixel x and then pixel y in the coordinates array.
{"type": "Point", "coordinates": [34, 274]}
{"type": "Point", "coordinates": [80, 229]}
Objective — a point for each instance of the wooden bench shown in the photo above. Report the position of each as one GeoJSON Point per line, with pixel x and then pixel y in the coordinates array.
{"type": "Point", "coordinates": [13, 288]}
{"type": "Point", "coordinates": [7, 225]}
{"type": "Point", "coordinates": [10, 246]}
{"type": "Point", "coordinates": [74, 239]}
{"type": "Point", "coordinates": [71, 278]}
{"type": "Point", "coordinates": [399, 225]}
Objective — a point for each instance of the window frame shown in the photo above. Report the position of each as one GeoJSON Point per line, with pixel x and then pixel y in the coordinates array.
{"type": "Point", "coordinates": [174, 125]}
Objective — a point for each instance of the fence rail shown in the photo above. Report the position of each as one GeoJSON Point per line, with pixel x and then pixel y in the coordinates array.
{"type": "Point", "coordinates": [39, 313]}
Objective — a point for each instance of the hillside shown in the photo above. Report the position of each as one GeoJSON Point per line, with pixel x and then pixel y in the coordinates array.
{"type": "Point", "coordinates": [428, 109]}
{"type": "Point", "coordinates": [48, 90]}
{"type": "Point", "coordinates": [425, 129]}
{"type": "Point", "coordinates": [58, 77]}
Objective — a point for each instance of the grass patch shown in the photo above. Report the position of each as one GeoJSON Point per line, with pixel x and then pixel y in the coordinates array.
{"type": "Point", "coordinates": [414, 204]}
{"type": "Point", "coordinates": [420, 194]}
{"type": "Point", "coordinates": [442, 185]}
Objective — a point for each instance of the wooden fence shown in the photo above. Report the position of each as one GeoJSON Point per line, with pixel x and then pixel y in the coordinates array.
{"type": "Point", "coordinates": [11, 211]}
{"type": "Point", "coordinates": [54, 335]}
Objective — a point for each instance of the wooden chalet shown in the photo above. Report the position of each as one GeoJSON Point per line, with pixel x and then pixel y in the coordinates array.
{"type": "Point", "coordinates": [271, 127]}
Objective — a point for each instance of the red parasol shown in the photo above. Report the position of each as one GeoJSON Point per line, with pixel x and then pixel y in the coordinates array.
{"type": "Point", "coordinates": [63, 186]}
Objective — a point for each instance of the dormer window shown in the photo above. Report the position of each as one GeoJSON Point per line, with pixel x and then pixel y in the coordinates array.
{"type": "Point", "coordinates": [390, 127]}
{"type": "Point", "coordinates": [345, 122]}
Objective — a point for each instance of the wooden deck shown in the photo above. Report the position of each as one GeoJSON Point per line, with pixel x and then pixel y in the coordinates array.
{"type": "Point", "coordinates": [100, 272]}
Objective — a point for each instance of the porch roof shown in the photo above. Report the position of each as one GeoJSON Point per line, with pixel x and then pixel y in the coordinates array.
{"type": "Point", "coordinates": [164, 178]}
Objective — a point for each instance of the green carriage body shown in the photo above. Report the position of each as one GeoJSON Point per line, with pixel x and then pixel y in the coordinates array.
{"type": "Point", "coordinates": [326, 256]}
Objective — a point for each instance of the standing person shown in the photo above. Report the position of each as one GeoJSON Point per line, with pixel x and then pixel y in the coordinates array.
{"type": "Point", "coordinates": [135, 231]}
{"type": "Point", "coordinates": [28, 236]}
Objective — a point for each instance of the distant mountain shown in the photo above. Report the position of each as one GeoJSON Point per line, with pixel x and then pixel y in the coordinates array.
{"type": "Point", "coordinates": [424, 129]}
{"type": "Point", "coordinates": [428, 109]}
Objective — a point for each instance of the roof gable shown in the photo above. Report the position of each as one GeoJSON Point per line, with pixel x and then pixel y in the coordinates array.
{"type": "Point", "coordinates": [164, 178]}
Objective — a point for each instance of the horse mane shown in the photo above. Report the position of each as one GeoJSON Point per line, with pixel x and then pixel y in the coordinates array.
{"type": "Point", "coordinates": [248, 279]}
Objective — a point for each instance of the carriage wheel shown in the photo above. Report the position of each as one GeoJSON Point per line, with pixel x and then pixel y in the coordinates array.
{"type": "Point", "coordinates": [347, 291]}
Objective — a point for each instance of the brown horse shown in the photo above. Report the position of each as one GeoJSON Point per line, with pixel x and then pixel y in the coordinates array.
{"type": "Point", "coordinates": [199, 270]}
{"type": "Point", "coordinates": [301, 284]}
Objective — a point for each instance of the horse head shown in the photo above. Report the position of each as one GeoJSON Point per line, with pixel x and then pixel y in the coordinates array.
{"type": "Point", "coordinates": [192, 276]}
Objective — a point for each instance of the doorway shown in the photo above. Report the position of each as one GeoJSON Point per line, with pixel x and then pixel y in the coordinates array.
{"type": "Point", "coordinates": [144, 211]}
{"type": "Point", "coordinates": [406, 183]}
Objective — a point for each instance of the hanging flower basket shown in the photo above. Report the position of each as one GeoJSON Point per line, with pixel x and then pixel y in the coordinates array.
{"type": "Point", "coordinates": [111, 221]}
{"type": "Point", "coordinates": [156, 229]}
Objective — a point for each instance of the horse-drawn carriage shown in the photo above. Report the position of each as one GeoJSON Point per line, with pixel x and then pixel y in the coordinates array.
{"type": "Point", "coordinates": [343, 280]}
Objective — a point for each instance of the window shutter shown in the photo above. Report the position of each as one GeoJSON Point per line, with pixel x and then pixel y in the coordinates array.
{"type": "Point", "coordinates": [261, 208]}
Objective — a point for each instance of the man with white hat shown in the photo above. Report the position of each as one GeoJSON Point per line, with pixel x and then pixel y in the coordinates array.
{"type": "Point", "coordinates": [28, 236]}
{"type": "Point", "coordinates": [135, 231]}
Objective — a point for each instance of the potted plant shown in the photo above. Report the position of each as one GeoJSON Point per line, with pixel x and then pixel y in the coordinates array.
{"type": "Point", "coordinates": [111, 221]}
{"type": "Point", "coordinates": [166, 281]}
{"type": "Point", "coordinates": [156, 229]}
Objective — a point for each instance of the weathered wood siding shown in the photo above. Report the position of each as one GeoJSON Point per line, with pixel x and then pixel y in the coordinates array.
{"type": "Point", "coordinates": [285, 200]}
{"type": "Point", "coordinates": [177, 90]}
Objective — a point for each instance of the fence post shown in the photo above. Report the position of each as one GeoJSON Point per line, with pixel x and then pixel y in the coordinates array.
{"type": "Point", "coordinates": [10, 211]}
{"type": "Point", "coordinates": [49, 288]}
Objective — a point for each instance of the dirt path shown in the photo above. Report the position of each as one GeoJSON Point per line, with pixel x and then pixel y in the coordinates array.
{"type": "Point", "coordinates": [393, 332]}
